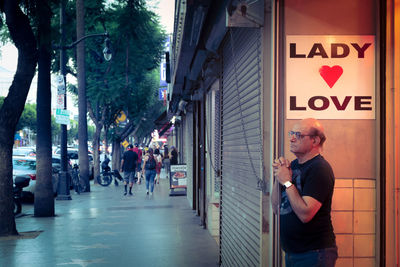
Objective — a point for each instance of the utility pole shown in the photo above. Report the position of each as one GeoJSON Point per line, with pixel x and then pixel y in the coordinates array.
{"type": "Point", "coordinates": [63, 184]}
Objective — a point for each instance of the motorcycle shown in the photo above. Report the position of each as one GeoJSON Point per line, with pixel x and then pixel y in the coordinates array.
{"type": "Point", "coordinates": [106, 176]}
{"type": "Point", "coordinates": [19, 183]}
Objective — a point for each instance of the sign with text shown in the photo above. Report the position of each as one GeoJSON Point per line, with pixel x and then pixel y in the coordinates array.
{"type": "Point", "coordinates": [163, 73]}
{"type": "Point", "coordinates": [178, 176]}
{"type": "Point", "coordinates": [330, 76]}
{"type": "Point", "coordinates": [62, 116]}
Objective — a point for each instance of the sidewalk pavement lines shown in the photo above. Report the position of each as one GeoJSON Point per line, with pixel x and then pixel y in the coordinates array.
{"type": "Point", "coordinates": [97, 245]}
{"type": "Point", "coordinates": [103, 233]}
{"type": "Point", "coordinates": [83, 263]}
{"type": "Point", "coordinates": [111, 223]}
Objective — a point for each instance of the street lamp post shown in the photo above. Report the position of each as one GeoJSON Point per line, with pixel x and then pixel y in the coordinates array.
{"type": "Point", "coordinates": [63, 184]}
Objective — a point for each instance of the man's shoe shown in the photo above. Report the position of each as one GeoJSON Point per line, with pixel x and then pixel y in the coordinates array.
{"type": "Point", "coordinates": [125, 194]}
{"type": "Point", "coordinates": [147, 192]}
{"type": "Point", "coordinates": [151, 193]}
{"type": "Point", "coordinates": [130, 193]}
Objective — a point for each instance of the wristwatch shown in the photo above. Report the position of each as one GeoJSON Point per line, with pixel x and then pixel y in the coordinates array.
{"type": "Point", "coordinates": [287, 184]}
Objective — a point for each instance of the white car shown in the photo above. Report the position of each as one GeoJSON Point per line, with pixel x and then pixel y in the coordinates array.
{"type": "Point", "coordinates": [26, 166]}
{"type": "Point", "coordinates": [24, 151]}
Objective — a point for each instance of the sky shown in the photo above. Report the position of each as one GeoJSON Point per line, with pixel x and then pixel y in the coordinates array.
{"type": "Point", "coordinates": [9, 55]}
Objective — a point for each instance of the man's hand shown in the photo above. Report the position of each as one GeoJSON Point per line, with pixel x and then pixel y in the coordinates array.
{"type": "Point", "coordinates": [282, 170]}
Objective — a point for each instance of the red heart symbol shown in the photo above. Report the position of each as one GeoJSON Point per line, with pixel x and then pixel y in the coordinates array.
{"type": "Point", "coordinates": [331, 75]}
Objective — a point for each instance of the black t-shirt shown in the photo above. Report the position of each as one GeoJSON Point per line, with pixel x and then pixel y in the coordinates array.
{"type": "Point", "coordinates": [130, 159]}
{"type": "Point", "coordinates": [313, 178]}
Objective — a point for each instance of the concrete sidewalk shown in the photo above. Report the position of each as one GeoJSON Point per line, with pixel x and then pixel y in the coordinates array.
{"type": "Point", "coordinates": [106, 228]}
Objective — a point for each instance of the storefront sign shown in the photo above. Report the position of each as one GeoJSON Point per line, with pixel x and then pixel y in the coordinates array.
{"type": "Point", "coordinates": [178, 176]}
{"type": "Point", "coordinates": [330, 77]}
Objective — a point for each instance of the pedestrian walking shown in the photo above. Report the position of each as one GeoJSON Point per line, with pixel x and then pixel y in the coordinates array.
{"type": "Point", "coordinates": [149, 170]}
{"type": "Point", "coordinates": [139, 162]}
{"type": "Point", "coordinates": [166, 161]}
{"type": "Point", "coordinates": [128, 167]}
{"type": "Point", "coordinates": [173, 156]}
{"type": "Point", "coordinates": [158, 158]}
{"type": "Point", "coordinates": [306, 187]}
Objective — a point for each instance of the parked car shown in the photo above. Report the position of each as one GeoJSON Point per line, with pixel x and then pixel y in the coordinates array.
{"type": "Point", "coordinates": [72, 154]}
{"type": "Point", "coordinates": [26, 166]}
{"type": "Point", "coordinates": [24, 151]}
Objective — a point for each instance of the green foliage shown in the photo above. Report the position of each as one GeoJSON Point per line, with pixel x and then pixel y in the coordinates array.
{"type": "Point", "coordinates": [129, 82]}
{"type": "Point", "coordinates": [28, 118]}
{"type": "Point", "coordinates": [91, 130]}
{"type": "Point", "coordinates": [73, 131]}
{"type": "Point", "coordinates": [55, 127]}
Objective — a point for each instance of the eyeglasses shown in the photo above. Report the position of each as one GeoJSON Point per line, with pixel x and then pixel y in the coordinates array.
{"type": "Point", "coordinates": [298, 135]}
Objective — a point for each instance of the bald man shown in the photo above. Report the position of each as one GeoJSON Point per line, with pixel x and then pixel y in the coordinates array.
{"type": "Point", "coordinates": [306, 188]}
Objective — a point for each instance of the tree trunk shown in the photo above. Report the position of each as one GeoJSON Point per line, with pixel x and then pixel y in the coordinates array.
{"type": "Point", "coordinates": [82, 104]}
{"type": "Point", "coordinates": [44, 193]}
{"type": "Point", "coordinates": [96, 154]}
{"type": "Point", "coordinates": [116, 155]}
{"type": "Point", "coordinates": [94, 115]}
{"type": "Point", "coordinates": [11, 110]}
{"type": "Point", "coordinates": [106, 140]}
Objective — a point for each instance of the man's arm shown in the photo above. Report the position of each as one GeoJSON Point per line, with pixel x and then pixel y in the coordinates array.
{"type": "Point", "coordinates": [304, 207]}
{"type": "Point", "coordinates": [122, 165]}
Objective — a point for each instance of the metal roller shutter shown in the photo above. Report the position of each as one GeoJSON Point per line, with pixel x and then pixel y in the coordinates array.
{"type": "Point", "coordinates": [241, 142]}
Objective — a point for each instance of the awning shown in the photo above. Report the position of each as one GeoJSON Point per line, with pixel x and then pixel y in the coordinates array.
{"type": "Point", "coordinates": [161, 120]}
{"type": "Point", "coordinates": [165, 128]}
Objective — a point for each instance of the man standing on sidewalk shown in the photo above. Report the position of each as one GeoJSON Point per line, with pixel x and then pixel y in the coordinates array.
{"type": "Point", "coordinates": [128, 167]}
{"type": "Point", "coordinates": [306, 186]}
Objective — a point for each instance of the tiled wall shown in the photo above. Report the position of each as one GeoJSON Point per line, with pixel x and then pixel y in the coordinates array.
{"type": "Point", "coordinates": [354, 218]}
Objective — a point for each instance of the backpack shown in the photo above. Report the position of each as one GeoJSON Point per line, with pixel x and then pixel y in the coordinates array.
{"type": "Point", "coordinates": [151, 163]}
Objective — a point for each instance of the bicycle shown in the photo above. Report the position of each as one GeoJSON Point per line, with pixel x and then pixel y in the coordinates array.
{"type": "Point", "coordinates": [106, 177]}
{"type": "Point", "coordinates": [77, 181]}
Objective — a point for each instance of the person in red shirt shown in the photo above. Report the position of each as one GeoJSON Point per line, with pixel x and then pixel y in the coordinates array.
{"type": "Point", "coordinates": [139, 162]}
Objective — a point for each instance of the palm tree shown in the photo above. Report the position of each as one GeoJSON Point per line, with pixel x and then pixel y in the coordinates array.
{"type": "Point", "coordinates": [44, 195]}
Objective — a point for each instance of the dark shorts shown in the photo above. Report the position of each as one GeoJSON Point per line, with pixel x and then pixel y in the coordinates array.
{"type": "Point", "coordinates": [129, 177]}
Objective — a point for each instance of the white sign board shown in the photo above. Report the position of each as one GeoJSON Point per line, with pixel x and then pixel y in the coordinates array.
{"type": "Point", "coordinates": [178, 176]}
{"type": "Point", "coordinates": [62, 116]}
{"type": "Point", "coordinates": [330, 77]}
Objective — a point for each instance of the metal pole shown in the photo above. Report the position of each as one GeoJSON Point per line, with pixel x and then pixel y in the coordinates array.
{"type": "Point", "coordinates": [63, 184]}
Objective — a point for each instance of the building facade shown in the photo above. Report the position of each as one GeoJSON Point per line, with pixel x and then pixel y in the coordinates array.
{"type": "Point", "coordinates": [243, 72]}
